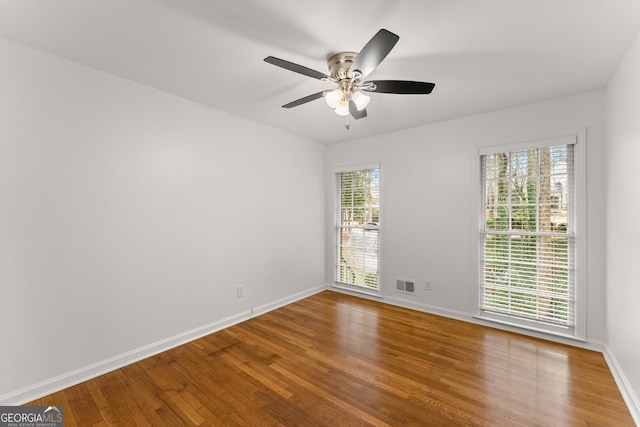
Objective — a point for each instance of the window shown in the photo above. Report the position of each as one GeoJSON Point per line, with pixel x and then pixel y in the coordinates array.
{"type": "Point", "coordinates": [528, 235]}
{"type": "Point", "coordinates": [358, 228]}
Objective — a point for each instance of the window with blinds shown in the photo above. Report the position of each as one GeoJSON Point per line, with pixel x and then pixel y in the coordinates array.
{"type": "Point", "coordinates": [358, 228]}
{"type": "Point", "coordinates": [528, 236]}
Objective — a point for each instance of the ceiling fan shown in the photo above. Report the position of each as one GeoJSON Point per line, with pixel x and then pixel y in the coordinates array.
{"type": "Point", "coordinates": [347, 70]}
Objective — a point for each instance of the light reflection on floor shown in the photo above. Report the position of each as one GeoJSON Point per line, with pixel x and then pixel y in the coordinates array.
{"type": "Point", "coordinates": [540, 376]}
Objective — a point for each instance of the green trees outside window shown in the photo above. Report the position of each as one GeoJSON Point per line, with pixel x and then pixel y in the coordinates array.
{"type": "Point", "coordinates": [527, 235]}
{"type": "Point", "coordinates": [357, 228]}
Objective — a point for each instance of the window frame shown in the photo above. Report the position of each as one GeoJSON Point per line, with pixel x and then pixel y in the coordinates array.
{"type": "Point", "coordinates": [377, 292]}
{"type": "Point", "coordinates": [576, 138]}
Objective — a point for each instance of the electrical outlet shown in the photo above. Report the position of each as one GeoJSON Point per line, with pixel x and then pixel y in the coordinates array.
{"type": "Point", "coordinates": [427, 285]}
{"type": "Point", "coordinates": [240, 291]}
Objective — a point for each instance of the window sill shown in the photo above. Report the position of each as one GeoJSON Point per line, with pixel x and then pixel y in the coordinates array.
{"type": "Point", "coordinates": [357, 289]}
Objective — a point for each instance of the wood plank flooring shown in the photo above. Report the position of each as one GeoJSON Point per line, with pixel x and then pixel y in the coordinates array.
{"type": "Point", "coordinates": [337, 360]}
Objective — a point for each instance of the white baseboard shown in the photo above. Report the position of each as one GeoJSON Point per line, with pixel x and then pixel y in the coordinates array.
{"type": "Point", "coordinates": [431, 309]}
{"type": "Point", "coordinates": [287, 300]}
{"type": "Point", "coordinates": [44, 388]}
{"type": "Point", "coordinates": [628, 395]}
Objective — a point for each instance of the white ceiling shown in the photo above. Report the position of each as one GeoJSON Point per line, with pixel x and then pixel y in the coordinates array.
{"type": "Point", "coordinates": [483, 55]}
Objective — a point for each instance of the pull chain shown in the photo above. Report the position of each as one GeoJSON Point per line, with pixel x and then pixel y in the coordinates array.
{"type": "Point", "coordinates": [346, 122]}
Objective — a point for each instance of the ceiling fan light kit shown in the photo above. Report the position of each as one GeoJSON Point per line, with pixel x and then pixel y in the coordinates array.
{"type": "Point", "coordinates": [338, 99]}
{"type": "Point", "coordinates": [347, 70]}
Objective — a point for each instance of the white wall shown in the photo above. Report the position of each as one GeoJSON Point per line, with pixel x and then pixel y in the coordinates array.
{"type": "Point", "coordinates": [128, 216]}
{"type": "Point", "coordinates": [623, 211]}
{"type": "Point", "coordinates": [427, 189]}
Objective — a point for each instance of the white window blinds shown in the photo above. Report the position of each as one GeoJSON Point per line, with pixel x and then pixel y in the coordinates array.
{"type": "Point", "coordinates": [358, 227]}
{"type": "Point", "coordinates": [528, 235]}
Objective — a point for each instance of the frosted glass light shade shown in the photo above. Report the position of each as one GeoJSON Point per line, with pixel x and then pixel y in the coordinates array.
{"type": "Point", "coordinates": [343, 108]}
{"type": "Point", "coordinates": [361, 100]}
{"type": "Point", "coordinates": [333, 98]}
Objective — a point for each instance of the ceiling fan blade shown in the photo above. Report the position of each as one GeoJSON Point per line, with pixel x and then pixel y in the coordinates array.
{"type": "Point", "coordinates": [304, 100]}
{"type": "Point", "coordinates": [357, 114]}
{"type": "Point", "coordinates": [405, 87]}
{"type": "Point", "coordinates": [295, 67]}
{"type": "Point", "coordinates": [373, 53]}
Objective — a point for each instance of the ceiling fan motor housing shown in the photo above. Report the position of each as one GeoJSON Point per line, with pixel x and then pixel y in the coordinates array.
{"type": "Point", "coordinates": [340, 63]}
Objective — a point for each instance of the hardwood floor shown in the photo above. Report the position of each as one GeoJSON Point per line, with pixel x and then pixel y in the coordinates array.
{"type": "Point", "coordinates": [337, 360]}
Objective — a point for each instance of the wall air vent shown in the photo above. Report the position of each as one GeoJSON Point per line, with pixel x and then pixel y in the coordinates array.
{"type": "Point", "coordinates": [405, 286]}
